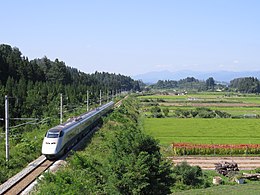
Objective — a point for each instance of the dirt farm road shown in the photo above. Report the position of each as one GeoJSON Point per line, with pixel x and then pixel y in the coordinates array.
{"type": "Point", "coordinates": [244, 163]}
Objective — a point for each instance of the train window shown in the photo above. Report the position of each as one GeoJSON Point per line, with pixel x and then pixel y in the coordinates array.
{"type": "Point", "coordinates": [61, 134]}
{"type": "Point", "coordinates": [52, 134]}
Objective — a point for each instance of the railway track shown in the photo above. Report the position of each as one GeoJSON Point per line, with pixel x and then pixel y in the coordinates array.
{"type": "Point", "coordinates": [118, 104]}
{"type": "Point", "coordinates": [19, 182]}
{"type": "Point", "coordinates": [27, 177]}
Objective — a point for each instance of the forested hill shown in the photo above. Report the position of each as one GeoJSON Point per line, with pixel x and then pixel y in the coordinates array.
{"type": "Point", "coordinates": [35, 84]}
{"type": "Point", "coordinates": [16, 66]}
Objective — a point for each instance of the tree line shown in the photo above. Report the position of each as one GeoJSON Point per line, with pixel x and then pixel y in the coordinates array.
{"type": "Point", "coordinates": [189, 83]}
{"type": "Point", "coordinates": [34, 85]}
{"type": "Point", "coordinates": [242, 85]}
{"type": "Point", "coordinates": [246, 85]}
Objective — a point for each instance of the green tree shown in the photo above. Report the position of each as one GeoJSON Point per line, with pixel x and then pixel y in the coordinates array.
{"type": "Point", "coordinates": [246, 85]}
{"type": "Point", "coordinates": [166, 111]}
{"type": "Point", "coordinates": [10, 86]}
{"type": "Point", "coordinates": [3, 70]}
{"type": "Point", "coordinates": [185, 174]}
{"type": "Point", "coordinates": [210, 83]}
{"type": "Point", "coordinates": [136, 165]}
{"type": "Point", "coordinates": [156, 112]}
{"type": "Point", "coordinates": [205, 112]}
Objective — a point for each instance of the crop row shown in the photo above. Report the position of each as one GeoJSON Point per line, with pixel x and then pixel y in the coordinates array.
{"type": "Point", "coordinates": [215, 149]}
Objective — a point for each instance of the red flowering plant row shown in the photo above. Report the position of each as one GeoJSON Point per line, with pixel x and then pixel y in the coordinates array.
{"type": "Point", "coordinates": [215, 149]}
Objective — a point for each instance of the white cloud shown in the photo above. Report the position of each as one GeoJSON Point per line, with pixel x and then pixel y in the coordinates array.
{"type": "Point", "coordinates": [236, 61]}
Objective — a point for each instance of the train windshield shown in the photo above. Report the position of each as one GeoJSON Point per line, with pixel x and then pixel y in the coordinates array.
{"type": "Point", "coordinates": [53, 134]}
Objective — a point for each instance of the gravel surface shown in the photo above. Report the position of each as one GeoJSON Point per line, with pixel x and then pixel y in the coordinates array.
{"type": "Point", "coordinates": [244, 163]}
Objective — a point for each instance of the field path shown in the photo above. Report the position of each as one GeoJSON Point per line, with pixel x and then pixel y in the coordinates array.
{"type": "Point", "coordinates": [211, 104]}
{"type": "Point", "coordinates": [244, 163]}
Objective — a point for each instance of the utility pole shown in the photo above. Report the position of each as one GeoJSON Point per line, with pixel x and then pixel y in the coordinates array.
{"type": "Point", "coordinates": [87, 101]}
{"type": "Point", "coordinates": [6, 129]}
{"type": "Point", "coordinates": [100, 101]}
{"type": "Point", "coordinates": [112, 95]}
{"type": "Point", "coordinates": [61, 105]}
{"type": "Point", "coordinates": [7, 118]}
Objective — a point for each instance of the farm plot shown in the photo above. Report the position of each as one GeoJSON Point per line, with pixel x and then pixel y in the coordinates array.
{"type": "Point", "coordinates": [233, 124]}
{"type": "Point", "coordinates": [236, 105]}
{"type": "Point", "coordinates": [203, 131]}
{"type": "Point", "coordinates": [206, 98]}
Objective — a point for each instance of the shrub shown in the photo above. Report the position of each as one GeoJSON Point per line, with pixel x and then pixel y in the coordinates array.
{"type": "Point", "coordinates": [156, 112]}
{"type": "Point", "coordinates": [222, 114]}
{"type": "Point", "coordinates": [257, 170]}
{"type": "Point", "coordinates": [166, 111]}
{"type": "Point", "coordinates": [187, 176]}
{"type": "Point", "coordinates": [182, 113]}
{"type": "Point", "coordinates": [205, 113]}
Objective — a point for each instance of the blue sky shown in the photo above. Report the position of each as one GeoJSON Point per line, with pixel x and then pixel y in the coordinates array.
{"type": "Point", "coordinates": [136, 36]}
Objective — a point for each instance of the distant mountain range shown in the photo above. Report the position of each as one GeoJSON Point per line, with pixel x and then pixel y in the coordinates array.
{"type": "Point", "coordinates": [220, 76]}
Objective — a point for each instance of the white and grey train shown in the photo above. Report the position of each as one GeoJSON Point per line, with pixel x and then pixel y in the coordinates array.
{"type": "Point", "coordinates": [60, 138]}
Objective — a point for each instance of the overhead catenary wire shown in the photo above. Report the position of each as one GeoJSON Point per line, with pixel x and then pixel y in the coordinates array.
{"type": "Point", "coordinates": [34, 121]}
{"type": "Point", "coordinates": [30, 122]}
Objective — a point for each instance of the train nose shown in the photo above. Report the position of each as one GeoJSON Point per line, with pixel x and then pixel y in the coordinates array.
{"type": "Point", "coordinates": [49, 146]}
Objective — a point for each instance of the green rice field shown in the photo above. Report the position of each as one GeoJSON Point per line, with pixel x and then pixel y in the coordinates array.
{"type": "Point", "coordinates": [251, 188]}
{"type": "Point", "coordinates": [234, 104]}
{"type": "Point", "coordinates": [249, 98]}
{"type": "Point", "coordinates": [235, 98]}
{"type": "Point", "coordinates": [198, 130]}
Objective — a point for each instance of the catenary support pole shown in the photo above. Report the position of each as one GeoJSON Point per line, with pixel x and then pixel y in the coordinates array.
{"type": "Point", "coordinates": [87, 101]}
{"type": "Point", "coordinates": [6, 129]}
{"type": "Point", "coordinates": [100, 101]}
{"type": "Point", "coordinates": [61, 106]}
{"type": "Point", "coordinates": [112, 95]}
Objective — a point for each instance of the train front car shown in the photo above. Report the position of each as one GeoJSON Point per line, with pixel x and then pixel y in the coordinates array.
{"type": "Point", "coordinates": [58, 139]}
{"type": "Point", "coordinates": [52, 143]}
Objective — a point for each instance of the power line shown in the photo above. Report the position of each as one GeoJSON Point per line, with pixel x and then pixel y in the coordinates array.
{"type": "Point", "coordinates": [24, 119]}
{"type": "Point", "coordinates": [33, 120]}
{"type": "Point", "coordinates": [13, 127]}
{"type": "Point", "coordinates": [31, 123]}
